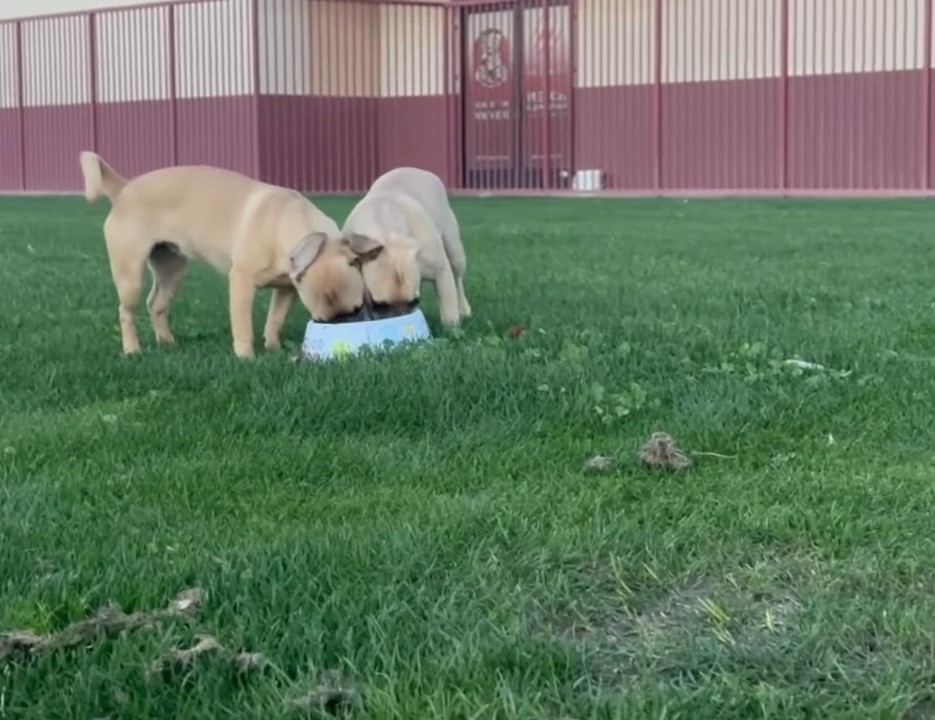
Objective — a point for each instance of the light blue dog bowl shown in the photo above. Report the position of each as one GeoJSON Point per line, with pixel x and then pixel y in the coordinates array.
{"type": "Point", "coordinates": [325, 342]}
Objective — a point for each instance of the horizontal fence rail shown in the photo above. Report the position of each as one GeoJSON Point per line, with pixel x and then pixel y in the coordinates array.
{"type": "Point", "coordinates": [604, 96]}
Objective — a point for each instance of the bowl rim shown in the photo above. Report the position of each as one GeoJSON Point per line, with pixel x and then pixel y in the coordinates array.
{"type": "Point", "coordinates": [370, 323]}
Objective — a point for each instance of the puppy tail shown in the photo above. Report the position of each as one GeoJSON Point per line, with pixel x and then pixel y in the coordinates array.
{"type": "Point", "coordinates": [100, 179]}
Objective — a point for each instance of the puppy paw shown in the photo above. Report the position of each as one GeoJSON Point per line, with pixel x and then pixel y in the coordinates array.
{"type": "Point", "coordinates": [244, 352]}
{"type": "Point", "coordinates": [451, 319]}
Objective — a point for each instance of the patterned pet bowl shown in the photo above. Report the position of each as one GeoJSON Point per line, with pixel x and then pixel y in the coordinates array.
{"type": "Point", "coordinates": [325, 342]}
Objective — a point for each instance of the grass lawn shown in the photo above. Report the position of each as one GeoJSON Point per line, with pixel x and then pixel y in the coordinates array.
{"type": "Point", "coordinates": [420, 526]}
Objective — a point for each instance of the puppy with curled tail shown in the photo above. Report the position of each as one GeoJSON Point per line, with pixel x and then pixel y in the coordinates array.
{"type": "Point", "coordinates": [258, 235]}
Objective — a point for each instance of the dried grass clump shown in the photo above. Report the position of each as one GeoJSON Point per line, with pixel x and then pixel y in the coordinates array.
{"type": "Point", "coordinates": [20, 646]}
{"type": "Point", "coordinates": [333, 696]}
{"type": "Point", "coordinates": [180, 660]}
{"type": "Point", "coordinates": [662, 452]}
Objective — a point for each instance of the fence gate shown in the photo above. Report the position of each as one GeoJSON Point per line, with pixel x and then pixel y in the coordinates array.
{"type": "Point", "coordinates": [518, 95]}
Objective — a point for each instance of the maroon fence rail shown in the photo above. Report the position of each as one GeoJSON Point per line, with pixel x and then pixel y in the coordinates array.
{"type": "Point", "coordinates": [613, 96]}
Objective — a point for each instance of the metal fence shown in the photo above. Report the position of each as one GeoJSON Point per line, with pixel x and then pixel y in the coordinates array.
{"type": "Point", "coordinates": [614, 96]}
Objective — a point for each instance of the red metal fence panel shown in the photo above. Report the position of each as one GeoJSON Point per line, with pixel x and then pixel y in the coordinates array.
{"type": "Point", "coordinates": [615, 96]}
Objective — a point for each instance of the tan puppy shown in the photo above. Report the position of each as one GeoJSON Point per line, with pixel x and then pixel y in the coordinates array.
{"type": "Point", "coordinates": [256, 234]}
{"type": "Point", "coordinates": [406, 211]}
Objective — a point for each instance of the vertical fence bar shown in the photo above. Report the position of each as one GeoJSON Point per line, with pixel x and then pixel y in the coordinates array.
{"type": "Point", "coordinates": [458, 99]}
{"type": "Point", "coordinates": [92, 72]}
{"type": "Point", "coordinates": [546, 64]}
{"type": "Point", "coordinates": [303, 101]}
{"type": "Point", "coordinates": [278, 90]}
{"type": "Point", "coordinates": [836, 90]}
{"type": "Point", "coordinates": [852, 67]}
{"type": "Point", "coordinates": [456, 142]}
{"type": "Point", "coordinates": [173, 88]}
{"type": "Point", "coordinates": [572, 162]}
{"type": "Point", "coordinates": [255, 82]}
{"type": "Point", "coordinates": [377, 58]}
{"type": "Point", "coordinates": [317, 91]}
{"type": "Point", "coordinates": [740, 166]}
{"type": "Point", "coordinates": [342, 129]}
{"type": "Point", "coordinates": [695, 173]}
{"type": "Point", "coordinates": [186, 72]}
{"type": "Point", "coordinates": [234, 82]}
{"type": "Point", "coordinates": [290, 95]}
{"type": "Point", "coordinates": [864, 117]}
{"type": "Point", "coordinates": [906, 62]}
{"type": "Point", "coordinates": [232, 78]}
{"type": "Point", "coordinates": [759, 176]}
{"type": "Point", "coordinates": [927, 96]}
{"type": "Point", "coordinates": [446, 64]}
{"type": "Point", "coordinates": [44, 85]}
{"type": "Point", "coordinates": [389, 122]}
{"type": "Point", "coordinates": [359, 170]}
{"type": "Point", "coordinates": [867, 102]}
{"type": "Point", "coordinates": [645, 76]}
{"type": "Point", "coordinates": [784, 89]}
{"type": "Point", "coordinates": [21, 104]}
{"type": "Point", "coordinates": [329, 96]}
{"type": "Point", "coordinates": [657, 95]}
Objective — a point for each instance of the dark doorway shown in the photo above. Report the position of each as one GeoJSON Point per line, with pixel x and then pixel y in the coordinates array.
{"type": "Point", "coordinates": [517, 95]}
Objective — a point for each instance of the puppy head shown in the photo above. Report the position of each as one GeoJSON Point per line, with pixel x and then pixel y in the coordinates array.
{"type": "Point", "coordinates": [392, 277]}
{"type": "Point", "coordinates": [327, 276]}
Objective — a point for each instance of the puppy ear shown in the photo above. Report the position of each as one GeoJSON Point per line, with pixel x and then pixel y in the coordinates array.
{"type": "Point", "coordinates": [306, 252]}
{"type": "Point", "coordinates": [365, 248]}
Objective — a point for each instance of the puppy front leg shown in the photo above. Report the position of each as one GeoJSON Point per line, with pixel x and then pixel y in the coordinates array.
{"type": "Point", "coordinates": [279, 306]}
{"type": "Point", "coordinates": [462, 298]}
{"type": "Point", "coordinates": [242, 291]}
{"type": "Point", "coordinates": [447, 291]}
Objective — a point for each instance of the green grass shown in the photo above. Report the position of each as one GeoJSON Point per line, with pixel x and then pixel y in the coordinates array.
{"type": "Point", "coordinates": [421, 524]}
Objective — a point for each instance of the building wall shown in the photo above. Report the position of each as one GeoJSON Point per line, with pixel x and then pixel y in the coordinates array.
{"type": "Point", "coordinates": [337, 83]}
{"type": "Point", "coordinates": [127, 61]}
{"type": "Point", "coordinates": [855, 101]}
{"type": "Point", "coordinates": [339, 92]}
{"type": "Point", "coordinates": [13, 9]}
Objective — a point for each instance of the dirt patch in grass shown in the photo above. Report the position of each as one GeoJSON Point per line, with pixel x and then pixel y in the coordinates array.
{"type": "Point", "coordinates": [620, 632]}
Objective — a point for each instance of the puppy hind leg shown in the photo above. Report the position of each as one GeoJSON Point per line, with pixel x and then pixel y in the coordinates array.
{"type": "Point", "coordinates": [126, 266]}
{"type": "Point", "coordinates": [168, 269]}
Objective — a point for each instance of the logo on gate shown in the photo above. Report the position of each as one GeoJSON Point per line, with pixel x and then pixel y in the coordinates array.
{"type": "Point", "coordinates": [490, 58]}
